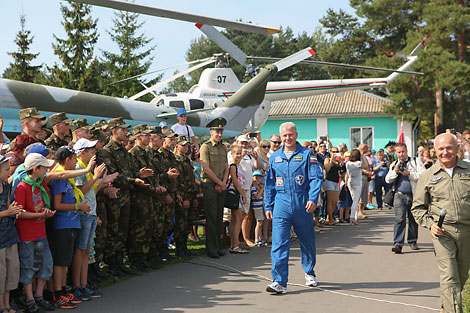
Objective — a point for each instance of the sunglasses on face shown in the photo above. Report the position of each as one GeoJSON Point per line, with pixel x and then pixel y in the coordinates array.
{"type": "Point", "coordinates": [276, 142]}
{"type": "Point", "coordinates": [265, 147]}
{"type": "Point", "coordinates": [322, 146]}
{"type": "Point", "coordinates": [334, 151]}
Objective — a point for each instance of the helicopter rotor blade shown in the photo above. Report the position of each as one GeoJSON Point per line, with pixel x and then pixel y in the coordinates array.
{"type": "Point", "coordinates": [166, 81]}
{"type": "Point", "coordinates": [159, 70]}
{"type": "Point", "coordinates": [294, 58]}
{"type": "Point", "coordinates": [188, 17]}
{"type": "Point", "coordinates": [359, 67]}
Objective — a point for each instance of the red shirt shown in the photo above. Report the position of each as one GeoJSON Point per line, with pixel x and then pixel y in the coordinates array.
{"type": "Point", "coordinates": [34, 228]}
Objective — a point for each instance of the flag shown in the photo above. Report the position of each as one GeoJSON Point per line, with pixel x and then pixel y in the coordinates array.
{"type": "Point", "coordinates": [401, 137]}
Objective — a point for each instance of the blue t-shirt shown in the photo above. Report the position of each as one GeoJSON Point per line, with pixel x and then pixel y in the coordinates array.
{"type": "Point", "coordinates": [383, 170]}
{"type": "Point", "coordinates": [8, 234]}
{"type": "Point", "coordinates": [64, 219]}
{"type": "Point", "coordinates": [256, 203]}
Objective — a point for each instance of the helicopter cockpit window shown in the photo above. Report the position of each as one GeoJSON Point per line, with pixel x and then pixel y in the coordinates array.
{"type": "Point", "coordinates": [160, 102]}
{"type": "Point", "coordinates": [195, 104]}
{"type": "Point", "coordinates": [177, 104]}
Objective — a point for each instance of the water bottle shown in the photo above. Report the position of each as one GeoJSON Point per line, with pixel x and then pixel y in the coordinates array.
{"type": "Point", "coordinates": [38, 250]}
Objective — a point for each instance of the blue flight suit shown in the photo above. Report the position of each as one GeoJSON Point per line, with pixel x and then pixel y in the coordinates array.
{"type": "Point", "coordinates": [290, 183]}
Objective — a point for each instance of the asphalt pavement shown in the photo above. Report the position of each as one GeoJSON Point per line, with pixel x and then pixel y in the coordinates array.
{"type": "Point", "coordinates": [356, 271]}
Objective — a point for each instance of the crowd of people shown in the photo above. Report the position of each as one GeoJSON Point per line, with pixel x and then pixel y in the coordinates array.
{"type": "Point", "coordinates": [83, 202]}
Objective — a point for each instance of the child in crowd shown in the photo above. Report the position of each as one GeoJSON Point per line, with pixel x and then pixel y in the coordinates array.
{"type": "Point", "coordinates": [89, 184]}
{"type": "Point", "coordinates": [9, 263]}
{"type": "Point", "coordinates": [34, 253]}
{"type": "Point", "coordinates": [257, 204]}
{"type": "Point", "coordinates": [68, 199]}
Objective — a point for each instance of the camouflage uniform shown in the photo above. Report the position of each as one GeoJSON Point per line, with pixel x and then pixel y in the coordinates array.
{"type": "Point", "coordinates": [140, 221]}
{"type": "Point", "coordinates": [118, 159]}
{"type": "Point", "coordinates": [187, 188]}
{"type": "Point", "coordinates": [25, 113]}
{"type": "Point", "coordinates": [54, 142]}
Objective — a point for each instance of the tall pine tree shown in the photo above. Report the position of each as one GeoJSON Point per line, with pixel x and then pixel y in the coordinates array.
{"type": "Point", "coordinates": [134, 56]}
{"type": "Point", "coordinates": [21, 68]}
{"type": "Point", "coordinates": [78, 69]}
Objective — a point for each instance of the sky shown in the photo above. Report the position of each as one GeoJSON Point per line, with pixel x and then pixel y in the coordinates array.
{"type": "Point", "coordinates": [172, 38]}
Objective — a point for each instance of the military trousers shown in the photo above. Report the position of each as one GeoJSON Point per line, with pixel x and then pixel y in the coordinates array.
{"type": "Point", "coordinates": [140, 223]}
{"type": "Point", "coordinates": [100, 240]}
{"type": "Point", "coordinates": [157, 223]}
{"type": "Point", "coordinates": [118, 215]}
{"type": "Point", "coordinates": [183, 221]}
{"type": "Point", "coordinates": [453, 260]}
{"type": "Point", "coordinates": [214, 206]}
{"type": "Point", "coordinates": [169, 217]}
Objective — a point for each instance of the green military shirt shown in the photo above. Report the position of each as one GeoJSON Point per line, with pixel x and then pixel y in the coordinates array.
{"type": "Point", "coordinates": [54, 142]}
{"type": "Point", "coordinates": [118, 159]}
{"type": "Point", "coordinates": [186, 177]}
{"type": "Point", "coordinates": [141, 159]}
{"type": "Point", "coordinates": [436, 190]}
{"type": "Point", "coordinates": [216, 154]}
{"type": "Point", "coordinates": [168, 161]}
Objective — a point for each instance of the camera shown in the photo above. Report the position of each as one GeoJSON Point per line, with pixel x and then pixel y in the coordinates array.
{"type": "Point", "coordinates": [402, 166]}
{"type": "Point", "coordinates": [453, 131]}
{"type": "Point", "coordinates": [249, 151]}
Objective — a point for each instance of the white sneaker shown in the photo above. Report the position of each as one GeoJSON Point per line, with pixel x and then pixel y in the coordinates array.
{"type": "Point", "coordinates": [276, 288]}
{"type": "Point", "coordinates": [310, 281]}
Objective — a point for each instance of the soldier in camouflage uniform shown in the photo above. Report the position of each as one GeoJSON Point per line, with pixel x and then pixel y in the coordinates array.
{"type": "Point", "coordinates": [31, 122]}
{"type": "Point", "coordinates": [80, 129]}
{"type": "Point", "coordinates": [188, 188]}
{"type": "Point", "coordinates": [142, 200]}
{"type": "Point", "coordinates": [117, 159]}
{"type": "Point", "coordinates": [168, 162]}
{"type": "Point", "coordinates": [60, 124]}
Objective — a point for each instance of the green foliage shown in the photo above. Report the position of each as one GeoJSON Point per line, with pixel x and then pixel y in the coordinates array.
{"type": "Point", "coordinates": [21, 68]}
{"type": "Point", "coordinates": [78, 69]}
{"type": "Point", "coordinates": [133, 57]}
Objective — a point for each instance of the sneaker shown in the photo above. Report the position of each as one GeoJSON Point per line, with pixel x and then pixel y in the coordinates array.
{"type": "Point", "coordinates": [46, 305]}
{"type": "Point", "coordinates": [91, 292]}
{"type": "Point", "coordinates": [72, 299]}
{"type": "Point", "coordinates": [33, 307]}
{"type": "Point", "coordinates": [77, 293]}
{"type": "Point", "coordinates": [276, 288]}
{"type": "Point", "coordinates": [414, 246]}
{"type": "Point", "coordinates": [310, 280]}
{"type": "Point", "coordinates": [258, 242]}
{"type": "Point", "coordinates": [63, 303]}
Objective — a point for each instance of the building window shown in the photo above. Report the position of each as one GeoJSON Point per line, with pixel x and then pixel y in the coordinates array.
{"type": "Point", "coordinates": [358, 135]}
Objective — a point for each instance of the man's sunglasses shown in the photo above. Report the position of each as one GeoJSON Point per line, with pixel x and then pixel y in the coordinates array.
{"type": "Point", "coordinates": [265, 147]}
{"type": "Point", "coordinates": [276, 142]}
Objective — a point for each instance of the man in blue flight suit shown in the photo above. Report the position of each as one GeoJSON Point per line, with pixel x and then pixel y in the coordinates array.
{"type": "Point", "coordinates": [293, 183]}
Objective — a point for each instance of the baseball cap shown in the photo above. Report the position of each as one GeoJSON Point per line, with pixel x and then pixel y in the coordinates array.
{"type": "Point", "coordinates": [101, 124]}
{"type": "Point", "coordinates": [31, 112]}
{"type": "Point", "coordinates": [242, 138]}
{"type": "Point", "coordinates": [79, 123]}
{"type": "Point", "coordinates": [181, 140]}
{"type": "Point", "coordinates": [181, 111]}
{"type": "Point", "coordinates": [163, 124]}
{"type": "Point", "coordinates": [142, 128]}
{"type": "Point", "coordinates": [3, 159]}
{"type": "Point", "coordinates": [83, 144]}
{"type": "Point", "coordinates": [39, 148]}
{"type": "Point", "coordinates": [257, 173]}
{"type": "Point", "coordinates": [63, 153]}
{"type": "Point", "coordinates": [34, 160]}
{"type": "Point", "coordinates": [118, 122]}
{"type": "Point", "coordinates": [59, 117]}
{"type": "Point", "coordinates": [373, 151]}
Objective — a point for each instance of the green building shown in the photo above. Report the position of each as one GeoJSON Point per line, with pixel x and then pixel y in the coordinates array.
{"type": "Point", "coordinates": [353, 118]}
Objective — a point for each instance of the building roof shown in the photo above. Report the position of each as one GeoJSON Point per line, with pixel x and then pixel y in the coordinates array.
{"type": "Point", "coordinates": [354, 102]}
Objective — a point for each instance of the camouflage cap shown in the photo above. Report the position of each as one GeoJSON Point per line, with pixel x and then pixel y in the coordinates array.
{"type": "Point", "coordinates": [156, 130]}
{"type": "Point", "coordinates": [118, 122]}
{"type": "Point", "coordinates": [101, 124]}
{"type": "Point", "coordinates": [97, 134]}
{"type": "Point", "coordinates": [131, 138]}
{"type": "Point", "coordinates": [139, 129]}
{"type": "Point", "coordinates": [168, 133]}
{"type": "Point", "coordinates": [79, 123]}
{"type": "Point", "coordinates": [59, 117]}
{"type": "Point", "coordinates": [181, 140]}
{"type": "Point", "coordinates": [31, 112]}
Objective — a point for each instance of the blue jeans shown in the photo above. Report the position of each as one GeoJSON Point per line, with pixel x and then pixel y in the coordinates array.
{"type": "Point", "coordinates": [379, 183]}
{"type": "Point", "coordinates": [402, 206]}
{"type": "Point", "coordinates": [84, 238]}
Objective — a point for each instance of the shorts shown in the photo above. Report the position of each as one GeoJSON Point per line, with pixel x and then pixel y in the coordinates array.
{"type": "Point", "coordinates": [259, 214]}
{"type": "Point", "coordinates": [364, 196]}
{"type": "Point", "coordinates": [84, 238]}
{"type": "Point", "coordinates": [35, 257]}
{"type": "Point", "coordinates": [331, 185]}
{"type": "Point", "coordinates": [64, 246]}
{"type": "Point", "coordinates": [372, 185]}
{"type": "Point", "coordinates": [246, 206]}
{"type": "Point", "coordinates": [9, 268]}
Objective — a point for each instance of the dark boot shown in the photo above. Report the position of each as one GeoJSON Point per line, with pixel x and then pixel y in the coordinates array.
{"type": "Point", "coordinates": [165, 255]}
{"type": "Point", "coordinates": [126, 270]}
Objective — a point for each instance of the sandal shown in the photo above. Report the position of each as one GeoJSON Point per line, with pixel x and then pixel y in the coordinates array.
{"type": "Point", "coordinates": [238, 250]}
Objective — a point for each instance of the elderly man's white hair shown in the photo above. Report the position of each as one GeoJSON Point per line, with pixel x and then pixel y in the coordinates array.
{"type": "Point", "coordinates": [287, 125]}
{"type": "Point", "coordinates": [444, 135]}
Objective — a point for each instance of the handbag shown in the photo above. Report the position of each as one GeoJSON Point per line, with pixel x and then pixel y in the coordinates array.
{"type": "Point", "coordinates": [388, 198]}
{"type": "Point", "coordinates": [232, 196]}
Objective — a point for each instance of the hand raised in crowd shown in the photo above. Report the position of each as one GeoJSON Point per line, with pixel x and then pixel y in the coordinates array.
{"type": "Point", "coordinates": [99, 171]}
{"type": "Point", "coordinates": [159, 190]}
{"type": "Point", "coordinates": [168, 199]}
{"type": "Point", "coordinates": [109, 178]}
{"type": "Point", "coordinates": [172, 173]}
{"type": "Point", "coordinates": [179, 198]}
{"type": "Point", "coordinates": [186, 204]}
{"type": "Point", "coordinates": [310, 207]}
{"type": "Point", "coordinates": [91, 163]}
{"type": "Point", "coordinates": [254, 154]}
{"type": "Point", "coordinates": [436, 231]}
{"type": "Point", "coordinates": [84, 207]}
{"type": "Point", "coordinates": [48, 213]}
{"type": "Point", "coordinates": [14, 209]}
{"type": "Point", "coordinates": [111, 192]}
{"type": "Point", "coordinates": [145, 172]}
{"type": "Point", "coordinates": [140, 183]}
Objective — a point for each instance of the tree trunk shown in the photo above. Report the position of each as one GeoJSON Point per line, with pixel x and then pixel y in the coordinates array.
{"type": "Point", "coordinates": [462, 108]}
{"type": "Point", "coordinates": [439, 109]}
